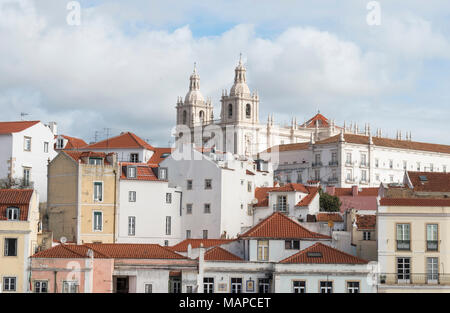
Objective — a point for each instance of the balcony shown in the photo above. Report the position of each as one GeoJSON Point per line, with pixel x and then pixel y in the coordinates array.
{"type": "Point", "coordinates": [350, 180]}
{"type": "Point", "coordinates": [316, 164]}
{"type": "Point", "coordinates": [333, 163]}
{"type": "Point", "coordinates": [432, 245]}
{"type": "Point", "coordinates": [364, 165]}
{"type": "Point", "coordinates": [282, 208]}
{"type": "Point", "coordinates": [404, 245]}
{"type": "Point", "coordinates": [348, 163]}
{"type": "Point", "coordinates": [414, 279]}
{"type": "Point", "coordinates": [333, 180]}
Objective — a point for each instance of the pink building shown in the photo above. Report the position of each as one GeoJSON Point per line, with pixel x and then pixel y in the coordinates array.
{"type": "Point", "coordinates": [360, 199]}
{"type": "Point", "coordinates": [107, 268]}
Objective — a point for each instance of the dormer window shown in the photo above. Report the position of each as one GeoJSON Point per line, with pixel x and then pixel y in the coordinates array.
{"type": "Point", "coordinates": [60, 143]}
{"type": "Point", "coordinates": [134, 157]}
{"type": "Point", "coordinates": [95, 161]}
{"type": "Point", "coordinates": [162, 173]}
{"type": "Point", "coordinates": [131, 173]}
{"type": "Point", "coordinates": [12, 214]}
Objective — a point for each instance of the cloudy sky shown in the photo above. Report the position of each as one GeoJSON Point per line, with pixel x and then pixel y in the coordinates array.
{"type": "Point", "coordinates": [127, 62]}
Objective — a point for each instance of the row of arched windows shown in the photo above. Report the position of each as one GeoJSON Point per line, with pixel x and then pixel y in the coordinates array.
{"type": "Point", "coordinates": [248, 110]}
{"type": "Point", "coordinates": [201, 115]}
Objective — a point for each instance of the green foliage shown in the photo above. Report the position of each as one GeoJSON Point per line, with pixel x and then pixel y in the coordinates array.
{"type": "Point", "coordinates": [329, 203]}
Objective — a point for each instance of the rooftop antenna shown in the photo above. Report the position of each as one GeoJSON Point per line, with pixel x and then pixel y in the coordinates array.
{"type": "Point", "coordinates": [107, 130]}
{"type": "Point", "coordinates": [22, 115]}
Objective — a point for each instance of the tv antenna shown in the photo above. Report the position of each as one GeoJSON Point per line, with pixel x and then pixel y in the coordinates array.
{"type": "Point", "coordinates": [22, 115]}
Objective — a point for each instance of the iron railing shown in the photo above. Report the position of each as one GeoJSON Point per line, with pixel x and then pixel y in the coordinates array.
{"type": "Point", "coordinates": [404, 245]}
{"type": "Point", "coordinates": [282, 208]}
{"type": "Point", "coordinates": [413, 279]}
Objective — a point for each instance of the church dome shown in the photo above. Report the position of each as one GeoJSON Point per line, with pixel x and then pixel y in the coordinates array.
{"type": "Point", "coordinates": [240, 80]}
{"type": "Point", "coordinates": [239, 88]}
{"type": "Point", "coordinates": [194, 95]}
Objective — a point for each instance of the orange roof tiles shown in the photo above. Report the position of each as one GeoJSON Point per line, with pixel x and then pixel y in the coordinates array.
{"type": "Point", "coordinates": [319, 119]}
{"type": "Point", "coordinates": [195, 243]}
{"type": "Point", "coordinates": [18, 198]}
{"type": "Point", "coordinates": [278, 225]}
{"type": "Point", "coordinates": [325, 217]}
{"type": "Point", "coordinates": [15, 127]}
{"type": "Point", "coordinates": [312, 193]}
{"type": "Point", "coordinates": [363, 192]}
{"type": "Point", "coordinates": [143, 172]}
{"type": "Point", "coordinates": [322, 254]}
{"type": "Point", "coordinates": [262, 195]}
{"type": "Point", "coordinates": [73, 143]}
{"type": "Point", "coordinates": [289, 147]}
{"type": "Point", "coordinates": [436, 182]}
{"type": "Point", "coordinates": [220, 254]}
{"type": "Point", "coordinates": [83, 155]}
{"type": "Point", "coordinates": [415, 202]}
{"type": "Point", "coordinates": [366, 221]}
{"type": "Point", "coordinates": [123, 141]}
{"type": "Point", "coordinates": [158, 156]}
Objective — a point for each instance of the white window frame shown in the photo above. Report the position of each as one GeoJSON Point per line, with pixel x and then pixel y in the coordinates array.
{"type": "Point", "coordinates": [326, 288]}
{"type": "Point", "coordinates": [168, 197]}
{"type": "Point", "coordinates": [131, 225]}
{"type": "Point", "coordinates": [299, 289]}
{"type": "Point", "coordinates": [188, 234]}
{"type": "Point", "coordinates": [94, 221]}
{"type": "Point", "coordinates": [236, 286]}
{"type": "Point", "coordinates": [205, 234]}
{"type": "Point", "coordinates": [168, 225]}
{"type": "Point", "coordinates": [131, 196]}
{"type": "Point", "coordinates": [131, 172]}
{"type": "Point", "coordinates": [60, 143]}
{"type": "Point", "coordinates": [26, 146]}
{"type": "Point", "coordinates": [7, 285]}
{"type": "Point", "coordinates": [26, 176]}
{"type": "Point", "coordinates": [188, 208]}
{"type": "Point", "coordinates": [38, 286]}
{"type": "Point", "coordinates": [70, 286]}
{"type": "Point", "coordinates": [6, 246]}
{"type": "Point", "coordinates": [46, 144]}
{"type": "Point", "coordinates": [134, 157]}
{"type": "Point", "coordinates": [208, 184]}
{"type": "Point", "coordinates": [262, 250]}
{"type": "Point", "coordinates": [208, 284]}
{"type": "Point", "coordinates": [95, 193]}
{"type": "Point", "coordinates": [14, 212]}
{"type": "Point", "coordinates": [353, 289]}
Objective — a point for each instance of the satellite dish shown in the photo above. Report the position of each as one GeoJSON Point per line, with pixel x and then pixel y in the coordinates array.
{"type": "Point", "coordinates": [63, 240]}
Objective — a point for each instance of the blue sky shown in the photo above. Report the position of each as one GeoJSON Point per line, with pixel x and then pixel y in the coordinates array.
{"type": "Point", "coordinates": [125, 65]}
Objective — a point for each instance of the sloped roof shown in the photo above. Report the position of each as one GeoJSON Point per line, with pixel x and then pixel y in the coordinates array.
{"type": "Point", "coordinates": [18, 198]}
{"type": "Point", "coordinates": [415, 202]}
{"type": "Point", "coordinates": [126, 140]}
{"type": "Point", "coordinates": [362, 192]}
{"type": "Point", "coordinates": [322, 254]}
{"type": "Point", "coordinates": [73, 143]}
{"type": "Point", "coordinates": [157, 156]}
{"type": "Point", "coordinates": [312, 193]}
{"type": "Point", "coordinates": [15, 127]}
{"type": "Point", "coordinates": [289, 147]}
{"type": "Point", "coordinates": [110, 251]}
{"type": "Point", "coordinates": [143, 172]}
{"type": "Point", "coordinates": [366, 221]}
{"type": "Point", "coordinates": [220, 254]}
{"type": "Point", "coordinates": [83, 155]}
{"type": "Point", "coordinates": [435, 182]}
{"type": "Point", "coordinates": [319, 119]}
{"type": "Point", "coordinates": [280, 226]}
{"type": "Point", "coordinates": [325, 217]}
{"type": "Point", "coordinates": [195, 243]}
{"type": "Point", "coordinates": [262, 195]}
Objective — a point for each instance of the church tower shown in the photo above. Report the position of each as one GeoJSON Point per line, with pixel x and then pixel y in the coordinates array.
{"type": "Point", "coordinates": [194, 111]}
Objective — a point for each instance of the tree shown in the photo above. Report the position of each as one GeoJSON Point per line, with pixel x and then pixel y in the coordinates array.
{"type": "Point", "coordinates": [329, 203]}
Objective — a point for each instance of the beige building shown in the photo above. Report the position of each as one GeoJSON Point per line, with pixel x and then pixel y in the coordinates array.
{"type": "Point", "coordinates": [19, 228]}
{"type": "Point", "coordinates": [413, 246]}
{"type": "Point", "coordinates": [82, 196]}
{"type": "Point", "coordinates": [364, 234]}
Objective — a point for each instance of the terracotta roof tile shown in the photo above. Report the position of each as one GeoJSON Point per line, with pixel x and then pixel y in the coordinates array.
{"type": "Point", "coordinates": [220, 254]}
{"type": "Point", "coordinates": [18, 198]}
{"type": "Point", "coordinates": [312, 193]}
{"type": "Point", "coordinates": [318, 118]}
{"type": "Point", "coordinates": [436, 182]}
{"type": "Point", "coordinates": [15, 127]}
{"type": "Point", "coordinates": [322, 254]}
{"type": "Point", "coordinates": [278, 225]}
{"type": "Point", "coordinates": [195, 243]}
{"type": "Point", "coordinates": [249, 172]}
{"type": "Point", "coordinates": [325, 217]}
{"type": "Point", "coordinates": [85, 155]}
{"type": "Point", "coordinates": [123, 141]}
{"type": "Point", "coordinates": [262, 195]}
{"type": "Point", "coordinates": [363, 192]}
{"type": "Point", "coordinates": [415, 202]}
{"type": "Point", "coordinates": [366, 221]}
{"type": "Point", "coordinates": [159, 155]}
{"type": "Point", "coordinates": [143, 172]}
{"type": "Point", "coordinates": [73, 143]}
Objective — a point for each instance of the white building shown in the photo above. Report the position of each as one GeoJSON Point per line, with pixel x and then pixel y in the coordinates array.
{"type": "Point", "coordinates": [218, 190]}
{"type": "Point", "coordinates": [149, 210]}
{"type": "Point", "coordinates": [26, 147]}
{"type": "Point", "coordinates": [355, 159]}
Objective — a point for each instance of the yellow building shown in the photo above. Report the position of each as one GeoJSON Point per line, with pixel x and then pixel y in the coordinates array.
{"type": "Point", "coordinates": [82, 196]}
{"type": "Point", "coordinates": [19, 228]}
{"type": "Point", "coordinates": [414, 245]}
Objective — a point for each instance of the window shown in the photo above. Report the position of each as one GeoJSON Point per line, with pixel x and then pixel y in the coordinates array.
{"type": "Point", "coordinates": [432, 237]}
{"type": "Point", "coordinates": [249, 186]}
{"type": "Point", "coordinates": [263, 250]}
{"type": "Point", "coordinates": [10, 246]}
{"type": "Point", "coordinates": [263, 285]}
{"type": "Point", "coordinates": [188, 289]}
{"type": "Point", "coordinates": [366, 235]}
{"type": "Point", "coordinates": [70, 287]}
{"type": "Point", "coordinates": [131, 196]}
{"type": "Point", "coordinates": [98, 191]}
{"type": "Point", "coordinates": [208, 285]}
{"type": "Point", "coordinates": [208, 183]}
{"type": "Point", "coordinates": [444, 168]}
{"type": "Point", "coordinates": [405, 165]}
{"type": "Point", "coordinates": [98, 221]}
{"type": "Point", "coordinates": [403, 269]}
{"type": "Point", "coordinates": [131, 172]}
{"type": "Point", "coordinates": [236, 285]}
{"type": "Point", "coordinates": [348, 159]}
{"type": "Point", "coordinates": [45, 147]}
{"type": "Point", "coordinates": [9, 283]}
{"type": "Point", "coordinates": [230, 110]}
{"type": "Point", "coordinates": [131, 225]}
{"type": "Point", "coordinates": [431, 167]}
{"type": "Point", "coordinates": [134, 157]}
{"type": "Point", "coordinates": [334, 158]}
{"type": "Point", "coordinates": [292, 244]}
{"type": "Point", "coordinates": [281, 204]}
{"type": "Point", "coordinates": [188, 233]}
{"type": "Point", "coordinates": [95, 161]}
{"type": "Point", "coordinates": [317, 175]}
{"type": "Point", "coordinates": [12, 214]}
{"type": "Point", "coordinates": [403, 237]}
{"type": "Point", "coordinates": [189, 208]}
{"type": "Point", "coordinates": [148, 288]}
{"type": "Point", "coordinates": [168, 225]}
{"type": "Point", "coordinates": [364, 176]}
{"type": "Point", "coordinates": [418, 166]}
{"type": "Point", "coordinates": [353, 287]}
{"type": "Point", "coordinates": [363, 160]}
{"type": "Point", "coordinates": [299, 286]}
{"type": "Point", "coordinates": [26, 176]}
{"type": "Point", "coordinates": [391, 178]}
{"type": "Point", "coordinates": [391, 164]}
{"type": "Point", "coordinates": [166, 243]}
{"type": "Point", "coordinates": [207, 208]}
{"type": "Point", "coordinates": [432, 269]}
{"type": "Point", "coordinates": [168, 197]}
{"type": "Point", "coordinates": [317, 159]}
{"type": "Point", "coordinates": [349, 175]}
{"type": "Point", "coordinates": [377, 177]}
{"type": "Point", "coordinates": [60, 143]}
{"type": "Point", "coordinates": [205, 234]}
{"type": "Point", "coordinates": [377, 163]}
{"type": "Point", "coordinates": [248, 111]}
{"type": "Point", "coordinates": [189, 185]}
{"type": "Point", "coordinates": [27, 143]}
{"type": "Point", "coordinates": [326, 287]}
{"type": "Point", "coordinates": [163, 173]}
{"type": "Point", "coordinates": [40, 286]}
{"type": "Point", "coordinates": [184, 117]}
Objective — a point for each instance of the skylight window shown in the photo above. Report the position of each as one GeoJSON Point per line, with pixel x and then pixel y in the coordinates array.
{"type": "Point", "coordinates": [314, 254]}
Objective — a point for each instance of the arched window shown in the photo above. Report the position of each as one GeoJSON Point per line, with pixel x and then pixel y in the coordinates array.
{"type": "Point", "coordinates": [230, 110]}
{"type": "Point", "coordinates": [201, 115]}
{"type": "Point", "coordinates": [184, 117]}
{"type": "Point", "coordinates": [248, 110]}
{"type": "Point", "coordinates": [12, 214]}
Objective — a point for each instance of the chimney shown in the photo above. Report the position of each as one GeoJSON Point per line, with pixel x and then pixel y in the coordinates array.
{"type": "Point", "coordinates": [53, 127]}
{"type": "Point", "coordinates": [189, 251]}
{"type": "Point", "coordinates": [201, 266]}
{"type": "Point", "coordinates": [354, 191]}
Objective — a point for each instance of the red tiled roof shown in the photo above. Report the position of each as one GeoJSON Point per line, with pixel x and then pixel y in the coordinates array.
{"type": "Point", "coordinates": [363, 192]}
{"type": "Point", "coordinates": [249, 173]}
{"type": "Point", "coordinates": [83, 155]}
{"type": "Point", "coordinates": [290, 187]}
{"type": "Point", "coordinates": [195, 243]}
{"type": "Point", "coordinates": [325, 217]}
{"type": "Point", "coordinates": [73, 143]}
{"type": "Point", "coordinates": [289, 147]}
{"type": "Point", "coordinates": [415, 202]}
{"type": "Point", "coordinates": [157, 156]}
{"type": "Point", "coordinates": [15, 127]}
{"type": "Point", "coordinates": [313, 191]}
{"type": "Point", "coordinates": [366, 221]}
{"type": "Point", "coordinates": [262, 194]}
{"type": "Point", "coordinates": [123, 141]}
{"type": "Point", "coordinates": [220, 254]}
{"type": "Point", "coordinates": [318, 118]}
{"type": "Point", "coordinates": [110, 251]}
{"type": "Point", "coordinates": [436, 182]}
{"type": "Point", "coordinates": [143, 172]}
{"type": "Point", "coordinates": [323, 255]}
{"type": "Point", "coordinates": [278, 225]}
{"type": "Point", "coordinates": [18, 198]}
